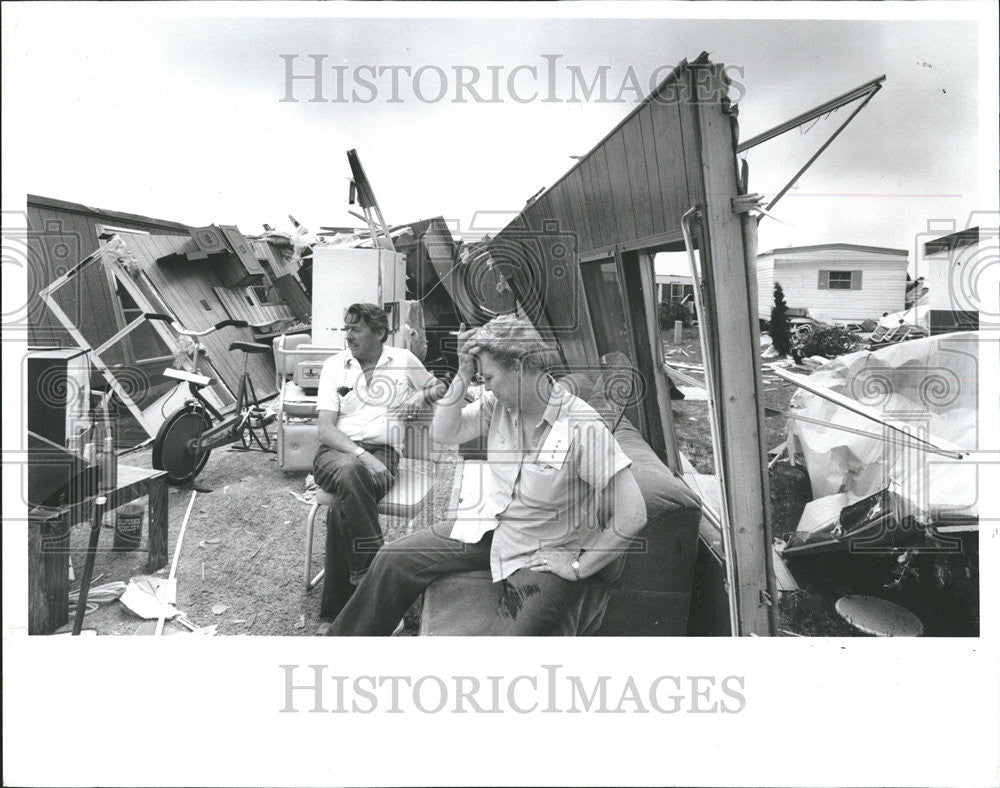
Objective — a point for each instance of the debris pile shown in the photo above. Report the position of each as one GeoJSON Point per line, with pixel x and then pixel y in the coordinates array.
{"type": "Point", "coordinates": [889, 466]}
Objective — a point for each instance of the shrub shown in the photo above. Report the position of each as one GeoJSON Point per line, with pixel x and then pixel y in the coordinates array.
{"type": "Point", "coordinates": [829, 341]}
{"type": "Point", "coordinates": [670, 311]}
{"type": "Point", "coordinates": [781, 334]}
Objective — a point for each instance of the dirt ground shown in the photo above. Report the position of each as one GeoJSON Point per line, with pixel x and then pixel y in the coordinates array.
{"type": "Point", "coordinates": [244, 548]}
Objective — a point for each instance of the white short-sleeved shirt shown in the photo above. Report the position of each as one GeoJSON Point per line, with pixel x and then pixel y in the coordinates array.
{"type": "Point", "coordinates": [364, 407]}
{"type": "Point", "coordinates": [544, 499]}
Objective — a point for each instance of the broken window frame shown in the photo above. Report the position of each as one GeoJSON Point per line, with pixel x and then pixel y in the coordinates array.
{"type": "Point", "coordinates": [144, 417]}
{"type": "Point", "coordinates": [47, 295]}
{"type": "Point", "coordinates": [596, 293]}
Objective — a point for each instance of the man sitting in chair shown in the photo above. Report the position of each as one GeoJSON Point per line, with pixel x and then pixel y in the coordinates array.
{"type": "Point", "coordinates": [561, 501]}
{"type": "Point", "coordinates": [362, 390]}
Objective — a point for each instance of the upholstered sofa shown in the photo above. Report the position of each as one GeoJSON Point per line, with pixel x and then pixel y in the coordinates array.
{"type": "Point", "coordinates": [651, 594]}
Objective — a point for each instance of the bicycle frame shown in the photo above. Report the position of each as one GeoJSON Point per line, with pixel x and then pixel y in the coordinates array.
{"type": "Point", "coordinates": [227, 428]}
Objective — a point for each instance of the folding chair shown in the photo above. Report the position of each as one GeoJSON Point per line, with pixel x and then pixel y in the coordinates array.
{"type": "Point", "coordinates": [410, 494]}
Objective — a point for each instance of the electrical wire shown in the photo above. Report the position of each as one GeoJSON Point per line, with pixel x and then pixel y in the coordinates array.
{"type": "Point", "coordinates": [108, 592]}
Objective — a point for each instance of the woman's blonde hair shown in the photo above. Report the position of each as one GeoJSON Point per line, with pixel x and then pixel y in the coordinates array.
{"type": "Point", "coordinates": [512, 340]}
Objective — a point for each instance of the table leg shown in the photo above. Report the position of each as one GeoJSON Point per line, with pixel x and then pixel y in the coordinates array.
{"type": "Point", "coordinates": [48, 574]}
{"type": "Point", "coordinates": [157, 491]}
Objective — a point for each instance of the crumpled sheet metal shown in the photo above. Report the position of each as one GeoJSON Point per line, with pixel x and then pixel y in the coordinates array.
{"type": "Point", "coordinates": [930, 384]}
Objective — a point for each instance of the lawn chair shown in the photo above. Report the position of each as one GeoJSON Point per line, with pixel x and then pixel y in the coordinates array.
{"type": "Point", "coordinates": [410, 494]}
{"type": "Point", "coordinates": [297, 365]}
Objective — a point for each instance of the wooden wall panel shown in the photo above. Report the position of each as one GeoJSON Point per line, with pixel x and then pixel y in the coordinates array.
{"type": "Point", "coordinates": [590, 200]}
{"type": "Point", "coordinates": [605, 204]}
{"type": "Point", "coordinates": [43, 327]}
{"type": "Point", "coordinates": [539, 212]}
{"type": "Point", "coordinates": [657, 214]}
{"type": "Point", "coordinates": [241, 303]}
{"type": "Point", "coordinates": [635, 184]}
{"type": "Point", "coordinates": [60, 240]}
{"type": "Point", "coordinates": [670, 157]}
{"type": "Point", "coordinates": [184, 286]}
{"type": "Point", "coordinates": [560, 209]}
{"type": "Point", "coordinates": [638, 169]}
{"type": "Point", "coordinates": [280, 264]}
{"type": "Point", "coordinates": [623, 210]}
{"type": "Point", "coordinates": [579, 222]}
{"type": "Point", "coordinates": [291, 293]}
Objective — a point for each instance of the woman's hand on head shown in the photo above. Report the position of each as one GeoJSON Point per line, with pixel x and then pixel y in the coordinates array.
{"type": "Point", "coordinates": [468, 348]}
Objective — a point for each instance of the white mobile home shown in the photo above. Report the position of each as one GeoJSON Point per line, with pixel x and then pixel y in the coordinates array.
{"type": "Point", "coordinates": [848, 282]}
{"type": "Point", "coordinates": [673, 287]}
{"type": "Point", "coordinates": [949, 266]}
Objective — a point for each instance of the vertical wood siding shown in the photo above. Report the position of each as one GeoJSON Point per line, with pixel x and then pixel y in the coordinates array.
{"type": "Point", "coordinates": [184, 286]}
{"type": "Point", "coordinates": [633, 185]}
{"type": "Point", "coordinates": [57, 241]}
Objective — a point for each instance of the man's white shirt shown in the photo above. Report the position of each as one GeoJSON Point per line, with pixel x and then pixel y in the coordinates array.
{"type": "Point", "coordinates": [365, 407]}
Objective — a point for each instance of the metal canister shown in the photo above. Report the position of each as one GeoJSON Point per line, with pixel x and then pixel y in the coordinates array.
{"type": "Point", "coordinates": [128, 527]}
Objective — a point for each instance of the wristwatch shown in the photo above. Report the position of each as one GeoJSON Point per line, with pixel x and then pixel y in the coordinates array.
{"type": "Point", "coordinates": [575, 566]}
{"type": "Point", "coordinates": [359, 451]}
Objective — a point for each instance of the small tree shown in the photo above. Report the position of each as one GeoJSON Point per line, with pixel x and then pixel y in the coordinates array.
{"type": "Point", "coordinates": [781, 329]}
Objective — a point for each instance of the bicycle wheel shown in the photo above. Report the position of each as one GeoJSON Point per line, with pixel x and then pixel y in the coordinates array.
{"type": "Point", "coordinates": [173, 447]}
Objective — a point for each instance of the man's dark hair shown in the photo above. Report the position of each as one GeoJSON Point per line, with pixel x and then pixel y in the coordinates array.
{"type": "Point", "coordinates": [371, 315]}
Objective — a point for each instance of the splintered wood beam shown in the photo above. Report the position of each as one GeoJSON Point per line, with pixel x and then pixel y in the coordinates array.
{"type": "Point", "coordinates": [731, 313]}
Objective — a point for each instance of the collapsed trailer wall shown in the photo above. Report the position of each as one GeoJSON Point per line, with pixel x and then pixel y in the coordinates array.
{"type": "Point", "coordinates": [61, 234]}
{"type": "Point", "coordinates": [627, 194]}
{"type": "Point", "coordinates": [622, 202]}
{"type": "Point", "coordinates": [188, 289]}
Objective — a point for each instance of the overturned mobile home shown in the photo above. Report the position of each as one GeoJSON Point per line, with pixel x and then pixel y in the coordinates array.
{"type": "Point", "coordinates": [96, 272]}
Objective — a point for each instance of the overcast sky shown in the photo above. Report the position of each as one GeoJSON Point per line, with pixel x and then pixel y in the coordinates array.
{"type": "Point", "coordinates": [182, 117]}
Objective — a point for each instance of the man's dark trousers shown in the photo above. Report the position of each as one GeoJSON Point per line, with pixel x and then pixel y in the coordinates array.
{"type": "Point", "coordinates": [353, 534]}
